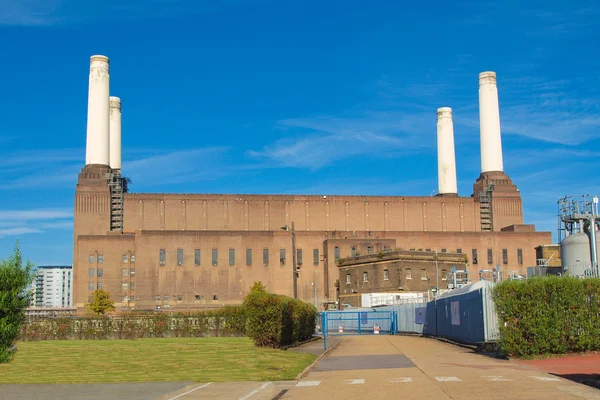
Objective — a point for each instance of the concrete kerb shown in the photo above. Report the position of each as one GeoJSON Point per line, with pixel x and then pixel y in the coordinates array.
{"type": "Point", "coordinates": [311, 366]}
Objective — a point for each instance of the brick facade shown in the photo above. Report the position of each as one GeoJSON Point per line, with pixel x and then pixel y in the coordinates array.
{"type": "Point", "coordinates": [238, 223]}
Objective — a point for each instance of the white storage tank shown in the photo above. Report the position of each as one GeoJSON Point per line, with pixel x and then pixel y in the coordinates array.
{"type": "Point", "coordinates": [575, 254]}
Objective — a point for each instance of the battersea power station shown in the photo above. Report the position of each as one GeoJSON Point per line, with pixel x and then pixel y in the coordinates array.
{"type": "Point", "coordinates": [186, 251]}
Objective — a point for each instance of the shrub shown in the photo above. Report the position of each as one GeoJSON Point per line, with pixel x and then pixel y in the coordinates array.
{"type": "Point", "coordinates": [548, 315]}
{"type": "Point", "coordinates": [275, 320]}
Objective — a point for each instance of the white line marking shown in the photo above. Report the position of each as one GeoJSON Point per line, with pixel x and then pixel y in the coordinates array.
{"type": "Point", "coordinates": [190, 391]}
{"type": "Point", "coordinates": [545, 379]}
{"type": "Point", "coordinates": [309, 383]}
{"type": "Point", "coordinates": [354, 381]}
{"type": "Point", "coordinates": [447, 379]}
{"type": "Point", "coordinates": [252, 393]}
{"type": "Point", "coordinates": [401, 380]}
{"type": "Point", "coordinates": [497, 379]}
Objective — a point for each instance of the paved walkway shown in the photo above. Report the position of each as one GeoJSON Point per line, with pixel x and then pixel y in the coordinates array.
{"type": "Point", "coordinates": [420, 368]}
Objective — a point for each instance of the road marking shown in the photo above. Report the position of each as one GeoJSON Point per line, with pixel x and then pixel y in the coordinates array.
{"type": "Point", "coordinates": [252, 393]}
{"type": "Point", "coordinates": [309, 383]}
{"type": "Point", "coordinates": [497, 379]}
{"type": "Point", "coordinates": [190, 391]}
{"type": "Point", "coordinates": [401, 380]}
{"type": "Point", "coordinates": [545, 379]}
{"type": "Point", "coordinates": [354, 381]}
{"type": "Point", "coordinates": [447, 379]}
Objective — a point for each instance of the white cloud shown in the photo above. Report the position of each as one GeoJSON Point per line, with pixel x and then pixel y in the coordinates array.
{"type": "Point", "coordinates": [18, 231]}
{"type": "Point", "coordinates": [324, 140]}
{"type": "Point", "coordinates": [35, 214]}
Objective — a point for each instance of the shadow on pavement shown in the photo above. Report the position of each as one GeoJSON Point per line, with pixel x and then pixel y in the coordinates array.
{"type": "Point", "coordinates": [592, 380]}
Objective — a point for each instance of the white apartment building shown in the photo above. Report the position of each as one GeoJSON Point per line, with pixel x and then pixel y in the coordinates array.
{"type": "Point", "coordinates": [53, 286]}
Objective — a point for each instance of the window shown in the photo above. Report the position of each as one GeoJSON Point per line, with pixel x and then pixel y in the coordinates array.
{"type": "Point", "coordinates": [369, 249]}
{"type": "Point", "coordinates": [132, 298]}
{"type": "Point", "coordinates": [99, 286]}
{"type": "Point", "coordinates": [124, 286]}
{"type": "Point", "coordinates": [132, 271]}
{"type": "Point", "coordinates": [157, 298]}
{"type": "Point", "coordinates": [125, 258]}
{"type": "Point", "coordinates": [179, 256]}
{"type": "Point", "coordinates": [299, 256]}
{"type": "Point", "coordinates": [124, 272]}
{"type": "Point", "coordinates": [265, 257]}
{"type": "Point", "coordinates": [427, 249]}
{"type": "Point", "coordinates": [167, 298]}
{"type": "Point", "coordinates": [180, 298]}
{"type": "Point", "coordinates": [444, 275]}
{"type": "Point", "coordinates": [197, 257]}
{"type": "Point", "coordinates": [231, 256]}
{"type": "Point", "coordinates": [504, 256]}
{"type": "Point", "coordinates": [124, 299]}
{"type": "Point", "coordinates": [248, 257]}
{"type": "Point", "coordinates": [282, 257]}
{"type": "Point", "coordinates": [353, 252]}
{"type": "Point", "coordinates": [348, 279]}
{"type": "Point", "coordinates": [100, 258]}
{"type": "Point", "coordinates": [197, 297]}
{"type": "Point", "coordinates": [132, 285]}
{"type": "Point", "coordinates": [133, 258]}
{"type": "Point", "coordinates": [316, 257]}
{"type": "Point", "coordinates": [443, 250]}
{"type": "Point", "coordinates": [459, 251]}
{"type": "Point", "coordinates": [91, 272]}
{"type": "Point", "coordinates": [336, 253]}
{"type": "Point", "coordinates": [490, 258]}
{"type": "Point", "coordinates": [423, 274]}
{"type": "Point", "coordinates": [91, 286]}
{"type": "Point", "coordinates": [163, 257]}
{"type": "Point", "coordinates": [215, 257]}
{"type": "Point", "coordinates": [386, 275]}
{"type": "Point", "coordinates": [386, 248]}
{"type": "Point", "coordinates": [92, 259]}
{"type": "Point", "coordinates": [408, 273]}
{"type": "Point", "coordinates": [474, 256]}
{"type": "Point", "coordinates": [100, 272]}
{"type": "Point", "coordinates": [365, 277]}
{"type": "Point", "coordinates": [520, 256]}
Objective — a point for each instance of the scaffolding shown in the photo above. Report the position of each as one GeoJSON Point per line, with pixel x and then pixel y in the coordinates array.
{"type": "Point", "coordinates": [485, 208]}
{"type": "Point", "coordinates": [118, 188]}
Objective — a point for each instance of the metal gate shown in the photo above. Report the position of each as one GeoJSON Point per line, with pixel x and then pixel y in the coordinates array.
{"type": "Point", "coordinates": [337, 323]}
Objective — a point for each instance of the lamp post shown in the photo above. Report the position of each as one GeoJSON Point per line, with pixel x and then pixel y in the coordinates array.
{"type": "Point", "coordinates": [294, 267]}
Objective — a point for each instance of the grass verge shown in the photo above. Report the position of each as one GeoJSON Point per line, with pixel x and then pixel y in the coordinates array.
{"type": "Point", "coordinates": [150, 360]}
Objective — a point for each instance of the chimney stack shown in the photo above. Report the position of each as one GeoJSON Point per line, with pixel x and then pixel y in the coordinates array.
{"type": "Point", "coordinates": [115, 132]}
{"type": "Point", "coordinates": [446, 157]}
{"type": "Point", "coordinates": [98, 131]}
{"type": "Point", "coordinates": [489, 123]}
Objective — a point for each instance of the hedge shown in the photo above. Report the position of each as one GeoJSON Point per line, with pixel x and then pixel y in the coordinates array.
{"type": "Point", "coordinates": [226, 321]}
{"type": "Point", "coordinates": [275, 321]}
{"type": "Point", "coordinates": [548, 315]}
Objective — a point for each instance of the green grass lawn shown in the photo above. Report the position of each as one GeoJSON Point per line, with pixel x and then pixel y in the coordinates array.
{"type": "Point", "coordinates": [150, 360]}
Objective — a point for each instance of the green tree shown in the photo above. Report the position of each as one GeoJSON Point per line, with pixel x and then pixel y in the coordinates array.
{"type": "Point", "coordinates": [101, 303]}
{"type": "Point", "coordinates": [258, 287]}
{"type": "Point", "coordinates": [15, 279]}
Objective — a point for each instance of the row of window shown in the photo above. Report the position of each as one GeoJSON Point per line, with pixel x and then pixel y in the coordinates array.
{"type": "Point", "coordinates": [162, 257]}
{"type": "Point", "coordinates": [490, 256]}
{"type": "Point", "coordinates": [386, 275]}
{"type": "Point", "coordinates": [99, 272]}
{"type": "Point", "coordinates": [124, 286]}
{"type": "Point", "coordinates": [124, 259]}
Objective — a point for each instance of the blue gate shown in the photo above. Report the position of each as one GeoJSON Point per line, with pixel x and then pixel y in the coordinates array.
{"type": "Point", "coordinates": [337, 323]}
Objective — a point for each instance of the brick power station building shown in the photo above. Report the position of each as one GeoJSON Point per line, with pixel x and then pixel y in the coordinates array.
{"type": "Point", "coordinates": [200, 250]}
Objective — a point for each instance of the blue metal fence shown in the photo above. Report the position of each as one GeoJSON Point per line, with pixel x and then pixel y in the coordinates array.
{"type": "Point", "coordinates": [368, 322]}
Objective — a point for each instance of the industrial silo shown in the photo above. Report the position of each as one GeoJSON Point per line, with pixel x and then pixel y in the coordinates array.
{"type": "Point", "coordinates": [575, 254]}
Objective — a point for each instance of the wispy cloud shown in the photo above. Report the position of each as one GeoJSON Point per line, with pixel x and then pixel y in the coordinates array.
{"type": "Point", "coordinates": [22, 222]}
{"type": "Point", "coordinates": [18, 231]}
{"type": "Point", "coordinates": [36, 214]}
{"type": "Point", "coordinates": [34, 13]}
{"type": "Point", "coordinates": [321, 141]}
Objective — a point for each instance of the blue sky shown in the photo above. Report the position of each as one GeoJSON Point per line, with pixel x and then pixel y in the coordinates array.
{"type": "Point", "coordinates": [278, 96]}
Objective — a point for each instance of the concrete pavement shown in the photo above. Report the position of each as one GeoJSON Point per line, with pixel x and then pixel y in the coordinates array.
{"type": "Point", "coordinates": [435, 370]}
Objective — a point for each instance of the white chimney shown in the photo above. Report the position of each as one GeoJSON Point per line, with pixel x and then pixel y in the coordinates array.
{"type": "Point", "coordinates": [115, 132]}
{"type": "Point", "coordinates": [446, 158]}
{"type": "Point", "coordinates": [98, 133]}
{"type": "Point", "coordinates": [489, 123]}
